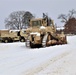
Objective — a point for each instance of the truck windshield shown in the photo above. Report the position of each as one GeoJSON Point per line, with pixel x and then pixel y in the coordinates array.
{"type": "Point", "coordinates": [36, 23]}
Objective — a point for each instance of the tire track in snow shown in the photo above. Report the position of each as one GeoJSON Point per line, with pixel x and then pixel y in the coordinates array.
{"type": "Point", "coordinates": [35, 70]}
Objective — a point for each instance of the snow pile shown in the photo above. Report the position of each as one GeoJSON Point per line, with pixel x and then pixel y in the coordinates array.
{"type": "Point", "coordinates": [16, 59]}
{"type": "Point", "coordinates": [60, 28]}
{"type": "Point", "coordinates": [42, 27]}
{"type": "Point", "coordinates": [14, 30]}
{"type": "Point", "coordinates": [35, 33]}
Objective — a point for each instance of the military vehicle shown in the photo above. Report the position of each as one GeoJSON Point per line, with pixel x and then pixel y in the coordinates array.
{"type": "Point", "coordinates": [23, 35]}
{"type": "Point", "coordinates": [42, 32]}
{"type": "Point", "coordinates": [9, 35]}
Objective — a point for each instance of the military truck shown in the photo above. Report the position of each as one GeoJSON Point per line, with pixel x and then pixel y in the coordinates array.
{"type": "Point", "coordinates": [42, 32]}
{"type": "Point", "coordinates": [23, 35]}
{"type": "Point", "coordinates": [9, 35]}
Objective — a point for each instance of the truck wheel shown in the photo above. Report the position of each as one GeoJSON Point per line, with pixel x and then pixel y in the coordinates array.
{"type": "Point", "coordinates": [6, 40]}
{"type": "Point", "coordinates": [22, 40]}
{"type": "Point", "coordinates": [32, 45]}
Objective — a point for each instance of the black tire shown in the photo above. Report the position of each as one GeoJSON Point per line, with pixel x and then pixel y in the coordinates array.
{"type": "Point", "coordinates": [10, 40]}
{"type": "Point", "coordinates": [22, 40]}
{"type": "Point", "coordinates": [32, 45]}
{"type": "Point", "coordinates": [6, 40]}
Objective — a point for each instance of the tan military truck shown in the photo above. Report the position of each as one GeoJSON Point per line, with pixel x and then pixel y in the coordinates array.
{"type": "Point", "coordinates": [9, 35]}
{"type": "Point", "coordinates": [42, 32]}
{"type": "Point", "coordinates": [23, 35]}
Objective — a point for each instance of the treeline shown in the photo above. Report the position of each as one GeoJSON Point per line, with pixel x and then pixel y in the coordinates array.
{"type": "Point", "coordinates": [69, 21]}
{"type": "Point", "coordinates": [20, 20]}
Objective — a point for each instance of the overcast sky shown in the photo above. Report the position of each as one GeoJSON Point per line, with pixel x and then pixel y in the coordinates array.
{"type": "Point", "coordinates": [37, 7]}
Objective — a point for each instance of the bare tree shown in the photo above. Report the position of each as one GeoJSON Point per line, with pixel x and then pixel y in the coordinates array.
{"type": "Point", "coordinates": [72, 14]}
{"type": "Point", "coordinates": [64, 18]}
{"type": "Point", "coordinates": [69, 21]}
{"type": "Point", "coordinates": [14, 20]}
{"type": "Point", "coordinates": [27, 17]}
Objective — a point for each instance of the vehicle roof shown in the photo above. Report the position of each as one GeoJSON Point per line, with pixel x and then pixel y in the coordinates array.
{"type": "Point", "coordinates": [35, 19]}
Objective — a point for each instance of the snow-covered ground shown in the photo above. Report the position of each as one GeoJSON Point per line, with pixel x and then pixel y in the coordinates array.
{"type": "Point", "coordinates": [16, 59]}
